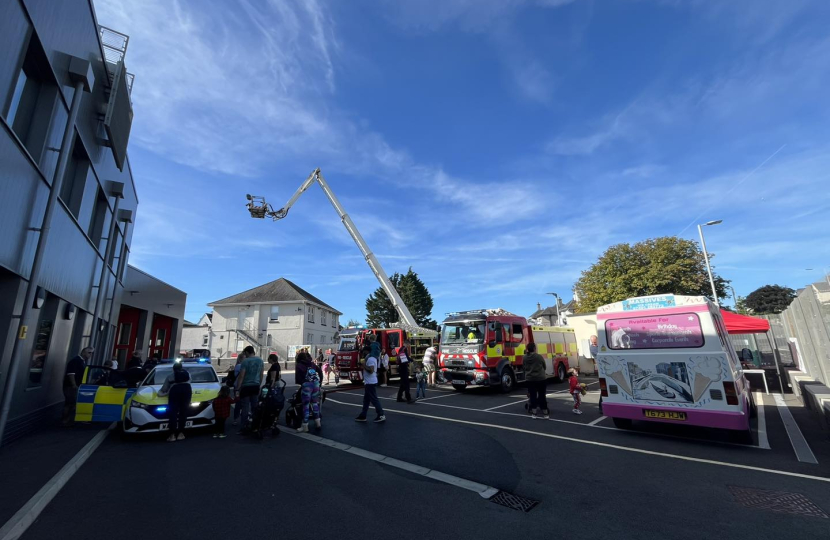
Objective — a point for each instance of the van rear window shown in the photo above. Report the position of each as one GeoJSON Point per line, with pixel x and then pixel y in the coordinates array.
{"type": "Point", "coordinates": [674, 331]}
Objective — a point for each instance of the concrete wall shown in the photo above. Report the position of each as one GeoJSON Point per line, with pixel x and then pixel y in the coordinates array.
{"type": "Point", "coordinates": [193, 338]}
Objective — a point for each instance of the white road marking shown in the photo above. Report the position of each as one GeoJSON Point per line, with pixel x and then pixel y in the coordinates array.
{"type": "Point", "coordinates": [439, 397]}
{"type": "Point", "coordinates": [597, 421]}
{"type": "Point", "coordinates": [797, 440]}
{"type": "Point", "coordinates": [763, 440]}
{"type": "Point", "coordinates": [551, 394]}
{"type": "Point", "coordinates": [23, 518]}
{"type": "Point", "coordinates": [606, 445]}
{"type": "Point", "coordinates": [483, 490]}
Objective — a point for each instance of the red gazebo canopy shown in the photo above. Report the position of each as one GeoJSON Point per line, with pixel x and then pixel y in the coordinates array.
{"type": "Point", "coordinates": [742, 324]}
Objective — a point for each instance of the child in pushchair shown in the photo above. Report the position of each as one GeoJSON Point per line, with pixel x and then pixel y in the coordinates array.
{"type": "Point", "coordinates": [267, 411]}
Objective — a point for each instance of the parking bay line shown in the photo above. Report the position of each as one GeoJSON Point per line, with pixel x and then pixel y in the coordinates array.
{"type": "Point", "coordinates": [797, 440]}
{"type": "Point", "coordinates": [23, 518]}
{"type": "Point", "coordinates": [763, 440]}
{"type": "Point", "coordinates": [483, 490]}
{"type": "Point", "coordinates": [597, 421]}
{"type": "Point", "coordinates": [607, 445]}
{"type": "Point", "coordinates": [525, 400]}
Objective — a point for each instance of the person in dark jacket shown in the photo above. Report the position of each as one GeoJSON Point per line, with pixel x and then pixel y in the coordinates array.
{"type": "Point", "coordinates": [72, 379]}
{"type": "Point", "coordinates": [303, 362]}
{"type": "Point", "coordinates": [134, 373]}
{"type": "Point", "coordinates": [179, 393]}
{"type": "Point", "coordinates": [537, 381]}
{"type": "Point", "coordinates": [404, 363]}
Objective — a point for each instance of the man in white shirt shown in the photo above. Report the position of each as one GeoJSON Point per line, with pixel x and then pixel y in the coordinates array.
{"type": "Point", "coordinates": [383, 369]}
{"type": "Point", "coordinates": [370, 390]}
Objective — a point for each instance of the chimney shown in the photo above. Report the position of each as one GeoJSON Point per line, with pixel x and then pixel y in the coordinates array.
{"type": "Point", "coordinates": [538, 306]}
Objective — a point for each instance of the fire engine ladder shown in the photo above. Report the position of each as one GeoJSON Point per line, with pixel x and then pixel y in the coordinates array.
{"type": "Point", "coordinates": [407, 321]}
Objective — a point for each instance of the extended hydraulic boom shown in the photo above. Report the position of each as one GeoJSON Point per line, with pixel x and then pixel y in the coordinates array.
{"type": "Point", "coordinates": [260, 209]}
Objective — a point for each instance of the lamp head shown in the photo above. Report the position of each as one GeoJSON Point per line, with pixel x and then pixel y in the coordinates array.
{"type": "Point", "coordinates": [715, 222]}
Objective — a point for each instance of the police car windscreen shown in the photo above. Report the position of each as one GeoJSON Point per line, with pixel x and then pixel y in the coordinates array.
{"type": "Point", "coordinates": [198, 374]}
{"type": "Point", "coordinates": [463, 332]}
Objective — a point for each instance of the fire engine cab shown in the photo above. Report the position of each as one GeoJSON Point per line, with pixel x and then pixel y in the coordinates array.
{"type": "Point", "coordinates": [487, 347]}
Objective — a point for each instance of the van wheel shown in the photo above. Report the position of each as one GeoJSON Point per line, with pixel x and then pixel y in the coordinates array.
{"type": "Point", "coordinates": [508, 380]}
{"type": "Point", "coordinates": [622, 423]}
{"type": "Point", "coordinates": [753, 407]}
{"type": "Point", "coordinates": [560, 373]}
{"type": "Point", "coordinates": [459, 387]}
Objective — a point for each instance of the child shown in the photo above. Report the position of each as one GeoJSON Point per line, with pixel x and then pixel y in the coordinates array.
{"type": "Point", "coordinates": [310, 393]}
{"type": "Point", "coordinates": [421, 380]}
{"type": "Point", "coordinates": [576, 390]}
{"type": "Point", "coordinates": [222, 410]}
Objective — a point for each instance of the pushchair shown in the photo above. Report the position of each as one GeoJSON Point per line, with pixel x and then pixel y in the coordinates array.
{"type": "Point", "coordinates": [267, 411]}
{"type": "Point", "coordinates": [294, 413]}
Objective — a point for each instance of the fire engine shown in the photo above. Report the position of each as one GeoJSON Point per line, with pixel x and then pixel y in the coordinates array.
{"type": "Point", "coordinates": [486, 347]}
{"type": "Point", "coordinates": [390, 339]}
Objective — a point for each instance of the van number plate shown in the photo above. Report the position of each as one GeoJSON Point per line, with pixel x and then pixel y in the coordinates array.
{"type": "Point", "coordinates": [666, 415]}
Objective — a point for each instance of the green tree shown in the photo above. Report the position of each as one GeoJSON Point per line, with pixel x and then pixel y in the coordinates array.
{"type": "Point", "coordinates": [353, 323]}
{"type": "Point", "coordinates": [770, 299]}
{"type": "Point", "coordinates": [667, 265]}
{"type": "Point", "coordinates": [380, 313]}
{"type": "Point", "coordinates": [740, 305]}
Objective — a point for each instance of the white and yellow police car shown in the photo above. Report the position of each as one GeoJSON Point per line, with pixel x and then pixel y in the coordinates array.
{"type": "Point", "coordinates": [105, 396]}
{"type": "Point", "coordinates": [147, 412]}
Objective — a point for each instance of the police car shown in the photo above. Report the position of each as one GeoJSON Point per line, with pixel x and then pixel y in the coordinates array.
{"type": "Point", "coordinates": [147, 412]}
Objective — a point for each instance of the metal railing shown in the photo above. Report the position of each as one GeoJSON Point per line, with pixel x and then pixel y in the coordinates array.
{"type": "Point", "coordinates": [115, 49]}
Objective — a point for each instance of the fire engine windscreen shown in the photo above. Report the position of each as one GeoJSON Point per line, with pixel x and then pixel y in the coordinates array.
{"type": "Point", "coordinates": [347, 345]}
{"type": "Point", "coordinates": [463, 332]}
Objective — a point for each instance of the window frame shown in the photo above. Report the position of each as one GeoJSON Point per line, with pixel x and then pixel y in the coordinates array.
{"type": "Point", "coordinates": [310, 314]}
{"type": "Point", "coordinates": [271, 317]}
{"type": "Point", "coordinates": [609, 332]}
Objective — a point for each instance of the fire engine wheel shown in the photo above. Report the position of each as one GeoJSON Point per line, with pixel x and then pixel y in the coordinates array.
{"type": "Point", "coordinates": [459, 387]}
{"type": "Point", "coordinates": [508, 380]}
{"type": "Point", "coordinates": [560, 373]}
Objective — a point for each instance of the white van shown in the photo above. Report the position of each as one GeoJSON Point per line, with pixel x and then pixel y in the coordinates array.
{"type": "Point", "coordinates": [667, 358]}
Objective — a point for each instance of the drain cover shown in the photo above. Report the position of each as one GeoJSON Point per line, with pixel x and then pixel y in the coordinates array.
{"type": "Point", "coordinates": [777, 501]}
{"type": "Point", "coordinates": [515, 502]}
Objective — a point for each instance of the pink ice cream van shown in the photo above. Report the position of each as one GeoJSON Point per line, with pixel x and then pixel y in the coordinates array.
{"type": "Point", "coordinates": [667, 358]}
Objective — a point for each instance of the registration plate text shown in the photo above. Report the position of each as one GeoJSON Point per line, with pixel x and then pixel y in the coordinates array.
{"type": "Point", "coordinates": [666, 415]}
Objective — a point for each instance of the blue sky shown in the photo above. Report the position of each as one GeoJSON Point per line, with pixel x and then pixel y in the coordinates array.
{"type": "Point", "coordinates": [496, 146]}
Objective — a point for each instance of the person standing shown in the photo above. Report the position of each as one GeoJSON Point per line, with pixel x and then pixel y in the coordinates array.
{"type": "Point", "coordinates": [421, 383]}
{"type": "Point", "coordinates": [383, 368]}
{"type": "Point", "coordinates": [134, 373]}
{"type": "Point", "coordinates": [302, 363]}
{"type": "Point", "coordinates": [430, 364]}
{"type": "Point", "coordinates": [575, 389]}
{"type": "Point", "coordinates": [237, 409]}
{"type": "Point", "coordinates": [310, 394]}
{"type": "Point", "coordinates": [221, 411]}
{"type": "Point", "coordinates": [370, 390]}
{"type": "Point", "coordinates": [248, 383]}
{"type": "Point", "coordinates": [72, 378]}
{"type": "Point", "coordinates": [179, 393]}
{"type": "Point", "coordinates": [274, 372]}
{"type": "Point", "coordinates": [537, 381]}
{"type": "Point", "coordinates": [404, 361]}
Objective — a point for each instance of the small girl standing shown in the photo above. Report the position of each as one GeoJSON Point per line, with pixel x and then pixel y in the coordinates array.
{"type": "Point", "coordinates": [310, 394]}
{"type": "Point", "coordinates": [576, 391]}
{"type": "Point", "coordinates": [222, 411]}
{"type": "Point", "coordinates": [421, 381]}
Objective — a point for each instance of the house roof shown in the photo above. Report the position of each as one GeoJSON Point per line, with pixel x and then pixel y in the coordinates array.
{"type": "Point", "coordinates": [280, 290]}
{"type": "Point", "coordinates": [188, 323]}
{"type": "Point", "coordinates": [551, 311]}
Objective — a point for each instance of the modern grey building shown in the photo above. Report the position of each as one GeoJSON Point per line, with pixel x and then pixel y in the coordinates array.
{"type": "Point", "coordinates": [67, 203]}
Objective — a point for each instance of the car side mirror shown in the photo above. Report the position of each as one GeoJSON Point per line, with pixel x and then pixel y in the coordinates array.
{"type": "Point", "coordinates": [491, 343]}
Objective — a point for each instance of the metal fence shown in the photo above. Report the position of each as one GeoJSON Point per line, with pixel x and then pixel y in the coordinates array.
{"type": "Point", "coordinates": [802, 332]}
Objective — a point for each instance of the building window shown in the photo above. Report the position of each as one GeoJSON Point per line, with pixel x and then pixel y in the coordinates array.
{"type": "Point", "coordinates": [310, 339]}
{"type": "Point", "coordinates": [205, 340]}
{"type": "Point", "coordinates": [275, 313]}
{"type": "Point", "coordinates": [36, 364]}
{"type": "Point", "coordinates": [100, 221]}
{"type": "Point", "coordinates": [323, 317]}
{"type": "Point", "coordinates": [74, 180]}
{"type": "Point", "coordinates": [311, 314]}
{"type": "Point", "coordinates": [33, 99]}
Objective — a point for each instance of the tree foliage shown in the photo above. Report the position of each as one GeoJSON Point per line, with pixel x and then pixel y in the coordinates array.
{"type": "Point", "coordinates": [353, 323]}
{"type": "Point", "coordinates": [666, 265]}
{"type": "Point", "coordinates": [380, 313]}
{"type": "Point", "coordinates": [770, 299]}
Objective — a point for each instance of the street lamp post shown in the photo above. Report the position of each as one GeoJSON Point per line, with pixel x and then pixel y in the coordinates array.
{"type": "Point", "coordinates": [558, 319]}
{"type": "Point", "coordinates": [706, 257]}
